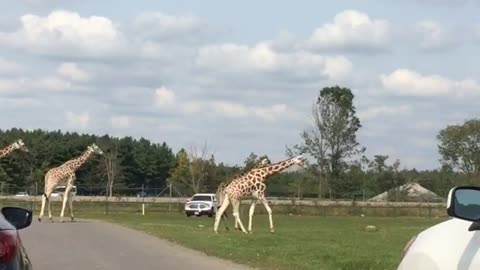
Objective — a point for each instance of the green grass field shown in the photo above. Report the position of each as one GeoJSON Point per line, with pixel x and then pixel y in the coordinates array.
{"type": "Point", "coordinates": [300, 242]}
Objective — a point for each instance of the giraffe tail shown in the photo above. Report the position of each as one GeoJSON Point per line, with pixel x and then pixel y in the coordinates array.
{"type": "Point", "coordinates": [221, 194]}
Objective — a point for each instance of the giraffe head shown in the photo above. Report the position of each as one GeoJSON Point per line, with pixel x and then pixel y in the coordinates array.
{"type": "Point", "coordinates": [20, 145]}
{"type": "Point", "coordinates": [95, 149]}
{"type": "Point", "coordinates": [299, 160]}
{"type": "Point", "coordinates": [264, 162]}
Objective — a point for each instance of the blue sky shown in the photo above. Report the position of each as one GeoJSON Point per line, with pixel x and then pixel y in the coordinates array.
{"type": "Point", "coordinates": [241, 75]}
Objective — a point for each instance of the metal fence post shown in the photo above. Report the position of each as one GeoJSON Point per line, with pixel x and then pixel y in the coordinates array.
{"type": "Point", "coordinates": [143, 199]}
{"type": "Point", "coordinates": [106, 199]}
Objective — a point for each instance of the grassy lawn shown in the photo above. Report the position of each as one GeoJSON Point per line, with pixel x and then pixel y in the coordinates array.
{"type": "Point", "coordinates": [300, 242]}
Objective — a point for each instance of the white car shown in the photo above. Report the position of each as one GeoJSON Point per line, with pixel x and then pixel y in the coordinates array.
{"type": "Point", "coordinates": [202, 204]}
{"type": "Point", "coordinates": [452, 244]}
{"type": "Point", "coordinates": [60, 190]}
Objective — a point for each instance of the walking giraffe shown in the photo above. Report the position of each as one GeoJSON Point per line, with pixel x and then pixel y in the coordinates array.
{"type": "Point", "coordinates": [252, 183]}
{"type": "Point", "coordinates": [17, 145]}
{"type": "Point", "coordinates": [221, 188]}
{"type": "Point", "coordinates": [65, 175]}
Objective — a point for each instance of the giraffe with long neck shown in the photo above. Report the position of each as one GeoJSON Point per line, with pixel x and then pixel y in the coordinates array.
{"type": "Point", "coordinates": [17, 145]}
{"type": "Point", "coordinates": [221, 188]}
{"type": "Point", "coordinates": [252, 183]}
{"type": "Point", "coordinates": [65, 175]}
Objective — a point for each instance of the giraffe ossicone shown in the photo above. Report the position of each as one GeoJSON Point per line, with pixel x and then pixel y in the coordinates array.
{"type": "Point", "coordinates": [252, 183]}
{"type": "Point", "coordinates": [65, 175]}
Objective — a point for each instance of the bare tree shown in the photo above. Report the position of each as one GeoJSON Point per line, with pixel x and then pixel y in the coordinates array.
{"type": "Point", "coordinates": [112, 168]}
{"type": "Point", "coordinates": [198, 157]}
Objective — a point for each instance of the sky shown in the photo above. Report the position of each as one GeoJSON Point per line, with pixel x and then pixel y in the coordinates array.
{"type": "Point", "coordinates": [241, 76]}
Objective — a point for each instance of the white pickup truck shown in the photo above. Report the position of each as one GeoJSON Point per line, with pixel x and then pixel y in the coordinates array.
{"type": "Point", "coordinates": [202, 204]}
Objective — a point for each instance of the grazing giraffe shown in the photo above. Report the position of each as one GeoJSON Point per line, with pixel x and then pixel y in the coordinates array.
{"type": "Point", "coordinates": [221, 188]}
{"type": "Point", "coordinates": [18, 145]}
{"type": "Point", "coordinates": [252, 183]}
{"type": "Point", "coordinates": [65, 175]}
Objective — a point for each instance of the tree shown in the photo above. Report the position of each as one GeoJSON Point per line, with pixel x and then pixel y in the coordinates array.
{"type": "Point", "coordinates": [180, 174]}
{"type": "Point", "coordinates": [112, 167]}
{"type": "Point", "coordinates": [332, 139]}
{"type": "Point", "coordinates": [378, 163]}
{"type": "Point", "coordinates": [460, 146]}
{"type": "Point", "coordinates": [198, 166]}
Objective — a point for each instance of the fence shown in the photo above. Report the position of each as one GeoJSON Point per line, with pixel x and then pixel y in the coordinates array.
{"type": "Point", "coordinates": [167, 199]}
{"type": "Point", "coordinates": [152, 205]}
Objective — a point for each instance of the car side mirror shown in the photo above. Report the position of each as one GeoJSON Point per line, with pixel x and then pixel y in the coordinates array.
{"type": "Point", "coordinates": [464, 203]}
{"type": "Point", "coordinates": [19, 217]}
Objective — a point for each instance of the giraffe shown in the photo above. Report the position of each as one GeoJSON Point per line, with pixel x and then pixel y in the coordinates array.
{"type": "Point", "coordinates": [17, 145]}
{"type": "Point", "coordinates": [65, 175]}
{"type": "Point", "coordinates": [221, 188]}
{"type": "Point", "coordinates": [252, 183]}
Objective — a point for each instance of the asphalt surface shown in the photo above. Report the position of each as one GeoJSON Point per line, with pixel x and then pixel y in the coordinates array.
{"type": "Point", "coordinates": [97, 245]}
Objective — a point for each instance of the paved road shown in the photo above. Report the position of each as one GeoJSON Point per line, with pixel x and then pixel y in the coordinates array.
{"type": "Point", "coordinates": [96, 245]}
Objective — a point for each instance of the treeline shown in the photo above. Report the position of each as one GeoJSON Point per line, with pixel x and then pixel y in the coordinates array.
{"type": "Point", "coordinates": [127, 163]}
{"type": "Point", "coordinates": [141, 162]}
{"type": "Point", "coordinates": [138, 162]}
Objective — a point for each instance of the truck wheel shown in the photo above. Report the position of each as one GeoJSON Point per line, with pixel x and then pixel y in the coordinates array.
{"type": "Point", "coordinates": [211, 213]}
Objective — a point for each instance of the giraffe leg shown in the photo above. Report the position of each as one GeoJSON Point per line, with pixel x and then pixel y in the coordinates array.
{"type": "Point", "coordinates": [269, 210]}
{"type": "Point", "coordinates": [70, 207]}
{"type": "Point", "coordinates": [219, 214]}
{"type": "Point", "coordinates": [225, 222]}
{"type": "Point", "coordinates": [250, 215]}
{"type": "Point", "coordinates": [236, 214]}
{"type": "Point", "coordinates": [49, 208]}
{"type": "Point", "coordinates": [42, 210]}
{"type": "Point", "coordinates": [236, 223]}
{"type": "Point", "coordinates": [65, 199]}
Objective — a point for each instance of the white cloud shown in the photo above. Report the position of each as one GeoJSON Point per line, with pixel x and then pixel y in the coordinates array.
{"type": "Point", "coordinates": [63, 32]}
{"type": "Point", "coordinates": [433, 36]}
{"type": "Point", "coordinates": [428, 143]}
{"type": "Point", "coordinates": [263, 58]}
{"type": "Point", "coordinates": [351, 30]}
{"type": "Point", "coordinates": [25, 85]}
{"type": "Point", "coordinates": [24, 103]}
{"type": "Point", "coordinates": [77, 120]}
{"type": "Point", "coordinates": [338, 68]}
{"type": "Point", "coordinates": [235, 110]}
{"type": "Point", "coordinates": [9, 67]}
{"type": "Point", "coordinates": [160, 26]}
{"type": "Point", "coordinates": [53, 84]}
{"type": "Point", "coordinates": [373, 112]}
{"type": "Point", "coordinates": [120, 121]}
{"type": "Point", "coordinates": [477, 31]}
{"type": "Point", "coordinates": [72, 72]}
{"type": "Point", "coordinates": [164, 97]}
{"type": "Point", "coordinates": [9, 86]}
{"type": "Point", "coordinates": [410, 83]}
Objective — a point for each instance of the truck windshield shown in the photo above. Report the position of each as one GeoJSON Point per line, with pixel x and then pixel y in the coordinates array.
{"type": "Point", "coordinates": [201, 198]}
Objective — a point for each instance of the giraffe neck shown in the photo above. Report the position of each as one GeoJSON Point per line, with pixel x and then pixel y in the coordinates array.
{"type": "Point", "coordinates": [7, 150]}
{"type": "Point", "coordinates": [76, 163]}
{"type": "Point", "coordinates": [277, 167]}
